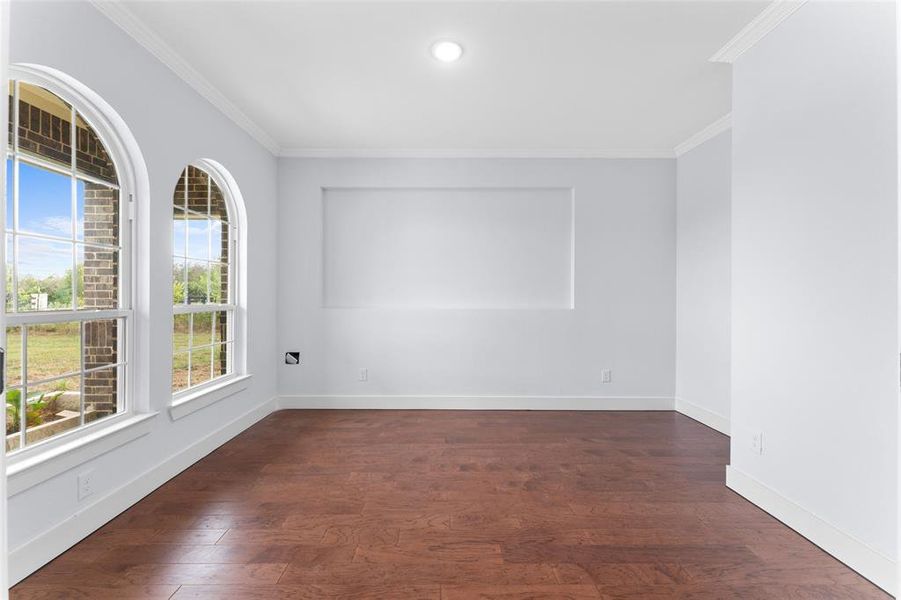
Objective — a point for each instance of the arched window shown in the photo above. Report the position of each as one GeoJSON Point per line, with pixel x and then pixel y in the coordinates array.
{"type": "Point", "coordinates": [68, 233]}
{"type": "Point", "coordinates": [205, 228]}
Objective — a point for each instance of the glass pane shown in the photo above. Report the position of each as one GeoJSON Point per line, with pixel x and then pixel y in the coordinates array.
{"type": "Point", "coordinates": [201, 363]}
{"type": "Point", "coordinates": [13, 356]}
{"type": "Point", "coordinates": [179, 233]}
{"type": "Point", "coordinates": [91, 156]}
{"type": "Point", "coordinates": [45, 274]}
{"type": "Point", "coordinates": [52, 408]}
{"type": "Point", "coordinates": [218, 208]}
{"type": "Point", "coordinates": [13, 418]}
{"type": "Point", "coordinates": [198, 237]}
{"type": "Point", "coordinates": [219, 241]}
{"type": "Point", "coordinates": [9, 193]}
{"type": "Point", "coordinates": [101, 394]}
{"type": "Point", "coordinates": [97, 213]}
{"type": "Point", "coordinates": [44, 125]}
{"type": "Point", "coordinates": [198, 191]}
{"type": "Point", "coordinates": [198, 280]}
{"type": "Point", "coordinates": [54, 349]}
{"type": "Point", "coordinates": [180, 332]}
{"type": "Point", "coordinates": [219, 283]}
{"type": "Point", "coordinates": [10, 100]}
{"type": "Point", "coordinates": [221, 331]}
{"type": "Point", "coordinates": [45, 201]}
{"type": "Point", "coordinates": [202, 329]}
{"type": "Point", "coordinates": [179, 371]}
{"type": "Point", "coordinates": [101, 343]}
{"type": "Point", "coordinates": [178, 197]}
{"type": "Point", "coordinates": [10, 256]}
{"type": "Point", "coordinates": [221, 358]}
{"type": "Point", "coordinates": [178, 280]}
{"type": "Point", "coordinates": [98, 277]}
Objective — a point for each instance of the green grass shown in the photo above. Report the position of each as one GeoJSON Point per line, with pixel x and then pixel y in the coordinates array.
{"type": "Point", "coordinates": [55, 349]}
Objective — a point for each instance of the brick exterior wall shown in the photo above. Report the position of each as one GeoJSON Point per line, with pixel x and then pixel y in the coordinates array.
{"type": "Point", "coordinates": [49, 136]}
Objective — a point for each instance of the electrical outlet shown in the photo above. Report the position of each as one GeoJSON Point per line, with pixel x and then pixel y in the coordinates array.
{"type": "Point", "coordinates": [606, 376]}
{"type": "Point", "coordinates": [85, 484]}
{"type": "Point", "coordinates": [757, 442]}
{"type": "Point", "coordinates": [364, 375]}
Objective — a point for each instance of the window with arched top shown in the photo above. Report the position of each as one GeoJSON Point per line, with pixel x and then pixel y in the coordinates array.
{"type": "Point", "coordinates": [204, 278]}
{"type": "Point", "coordinates": [68, 234]}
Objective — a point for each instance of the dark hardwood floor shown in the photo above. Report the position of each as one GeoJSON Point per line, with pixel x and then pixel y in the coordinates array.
{"type": "Point", "coordinates": [451, 505]}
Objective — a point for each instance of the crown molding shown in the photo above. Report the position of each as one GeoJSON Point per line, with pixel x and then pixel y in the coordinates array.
{"type": "Point", "coordinates": [768, 19]}
{"type": "Point", "coordinates": [119, 14]}
{"type": "Point", "coordinates": [722, 124]}
{"type": "Point", "coordinates": [470, 153]}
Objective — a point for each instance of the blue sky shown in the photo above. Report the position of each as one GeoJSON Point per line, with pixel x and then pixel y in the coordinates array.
{"type": "Point", "coordinates": [45, 208]}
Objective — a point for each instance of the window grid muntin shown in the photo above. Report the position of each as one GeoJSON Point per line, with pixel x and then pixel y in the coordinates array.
{"type": "Point", "coordinates": [22, 319]}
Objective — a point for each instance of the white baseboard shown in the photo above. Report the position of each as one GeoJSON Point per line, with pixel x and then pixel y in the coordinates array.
{"type": "Point", "coordinates": [873, 565]}
{"type": "Point", "coordinates": [37, 552]}
{"type": "Point", "coordinates": [703, 416]}
{"type": "Point", "coordinates": [479, 402]}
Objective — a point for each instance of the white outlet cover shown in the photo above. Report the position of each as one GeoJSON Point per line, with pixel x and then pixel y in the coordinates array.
{"type": "Point", "coordinates": [85, 484]}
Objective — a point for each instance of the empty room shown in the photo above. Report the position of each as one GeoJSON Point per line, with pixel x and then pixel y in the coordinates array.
{"type": "Point", "coordinates": [450, 299]}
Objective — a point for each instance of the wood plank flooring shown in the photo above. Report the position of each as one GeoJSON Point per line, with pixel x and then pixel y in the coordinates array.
{"type": "Point", "coordinates": [451, 506]}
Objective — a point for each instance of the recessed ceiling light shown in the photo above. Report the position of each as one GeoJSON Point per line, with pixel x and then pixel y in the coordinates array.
{"type": "Point", "coordinates": [447, 51]}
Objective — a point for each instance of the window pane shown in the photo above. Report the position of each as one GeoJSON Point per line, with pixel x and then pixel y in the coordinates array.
{"type": "Point", "coordinates": [178, 280]}
{"type": "Point", "coordinates": [91, 156]}
{"type": "Point", "coordinates": [9, 193]}
{"type": "Point", "coordinates": [45, 201]}
{"type": "Point", "coordinates": [198, 237]}
{"type": "Point", "coordinates": [54, 349]}
{"type": "Point", "coordinates": [198, 191]}
{"type": "Point", "coordinates": [179, 371]}
{"type": "Point", "coordinates": [180, 333]}
{"type": "Point", "coordinates": [219, 283]}
{"type": "Point", "coordinates": [11, 92]}
{"type": "Point", "coordinates": [201, 365]}
{"type": "Point", "coordinates": [179, 233]}
{"type": "Point", "coordinates": [52, 408]}
{"type": "Point", "coordinates": [13, 356]}
{"type": "Point", "coordinates": [13, 418]}
{"type": "Point", "coordinates": [44, 125]}
{"type": "Point", "coordinates": [98, 277]}
{"type": "Point", "coordinates": [45, 274]}
{"type": "Point", "coordinates": [219, 241]}
{"type": "Point", "coordinates": [221, 330]}
{"type": "Point", "coordinates": [202, 329]}
{"type": "Point", "coordinates": [198, 281]}
{"type": "Point", "coordinates": [101, 394]}
{"type": "Point", "coordinates": [221, 356]}
{"type": "Point", "coordinates": [97, 218]}
{"type": "Point", "coordinates": [10, 257]}
{"type": "Point", "coordinates": [101, 343]}
{"type": "Point", "coordinates": [217, 203]}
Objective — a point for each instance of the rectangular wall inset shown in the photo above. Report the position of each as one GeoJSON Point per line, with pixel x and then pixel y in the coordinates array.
{"type": "Point", "coordinates": [448, 248]}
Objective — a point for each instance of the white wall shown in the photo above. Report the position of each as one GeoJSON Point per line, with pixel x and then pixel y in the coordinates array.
{"type": "Point", "coordinates": [815, 275]}
{"type": "Point", "coordinates": [703, 340]}
{"type": "Point", "coordinates": [475, 248]}
{"type": "Point", "coordinates": [173, 126]}
{"type": "Point", "coordinates": [624, 315]}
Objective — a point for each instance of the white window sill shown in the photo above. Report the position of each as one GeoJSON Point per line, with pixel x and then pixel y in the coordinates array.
{"type": "Point", "coordinates": [184, 405]}
{"type": "Point", "coordinates": [24, 472]}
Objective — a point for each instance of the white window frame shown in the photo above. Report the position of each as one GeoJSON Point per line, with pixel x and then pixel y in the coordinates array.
{"type": "Point", "coordinates": [198, 396]}
{"type": "Point", "coordinates": [131, 174]}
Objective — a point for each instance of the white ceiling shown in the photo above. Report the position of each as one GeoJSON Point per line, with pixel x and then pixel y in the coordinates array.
{"type": "Point", "coordinates": [542, 78]}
